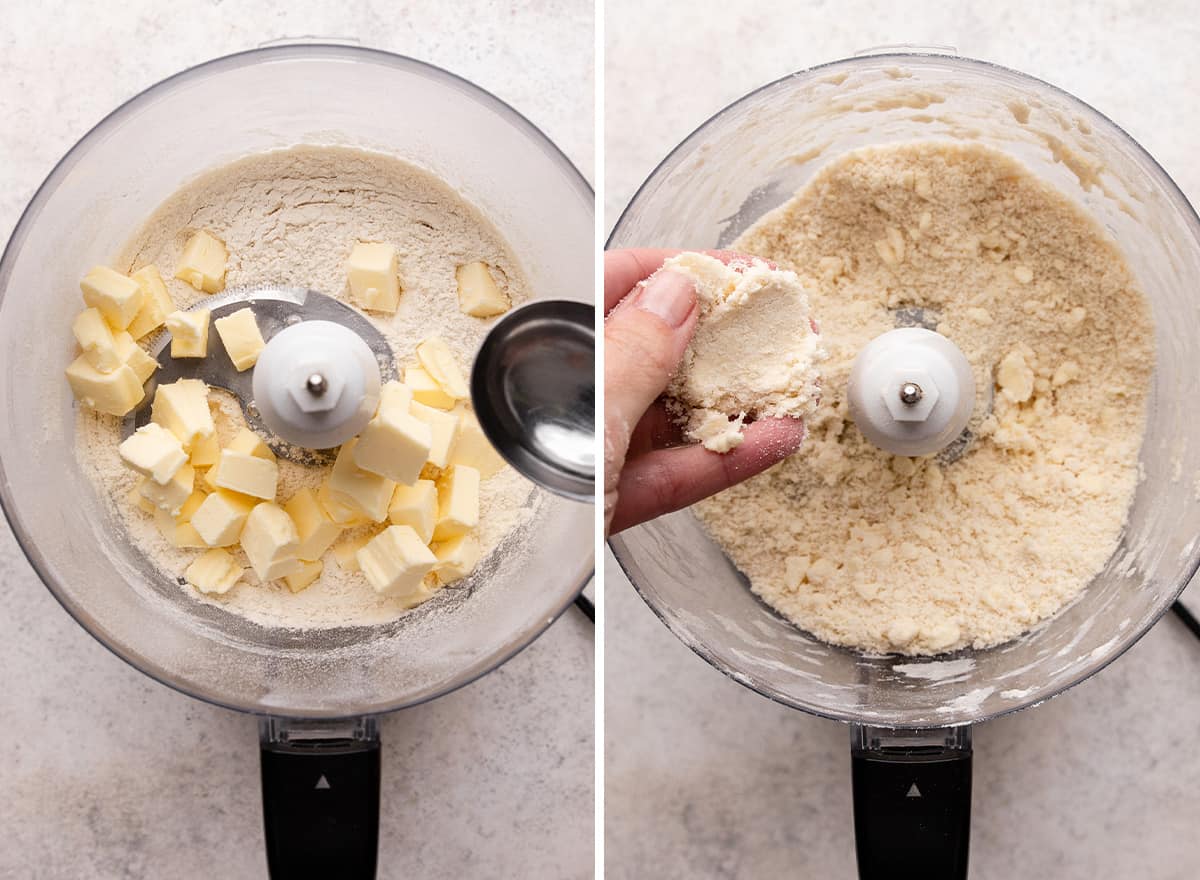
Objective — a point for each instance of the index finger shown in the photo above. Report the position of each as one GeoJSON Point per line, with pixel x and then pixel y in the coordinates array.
{"type": "Point", "coordinates": [625, 268]}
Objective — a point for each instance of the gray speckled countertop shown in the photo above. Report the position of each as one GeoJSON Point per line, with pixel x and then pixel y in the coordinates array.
{"type": "Point", "coordinates": [707, 779]}
{"type": "Point", "coordinates": [109, 774]}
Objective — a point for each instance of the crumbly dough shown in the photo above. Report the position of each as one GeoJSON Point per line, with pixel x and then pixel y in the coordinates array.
{"type": "Point", "coordinates": [755, 352]}
{"type": "Point", "coordinates": [291, 217]}
{"type": "Point", "coordinates": [915, 556]}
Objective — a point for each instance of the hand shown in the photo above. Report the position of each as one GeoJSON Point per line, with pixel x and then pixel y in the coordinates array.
{"type": "Point", "coordinates": [647, 469]}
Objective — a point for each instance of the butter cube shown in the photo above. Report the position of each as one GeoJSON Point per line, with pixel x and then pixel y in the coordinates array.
{"type": "Point", "coordinates": [361, 491]}
{"type": "Point", "coordinates": [115, 393]}
{"type": "Point", "coordinates": [304, 578]}
{"type": "Point", "coordinates": [416, 506]}
{"type": "Point", "coordinates": [438, 361]}
{"type": "Point", "coordinates": [185, 536]}
{"type": "Point", "coordinates": [170, 496]}
{"type": "Point", "coordinates": [373, 275]}
{"type": "Point", "coordinates": [222, 516]}
{"type": "Point", "coordinates": [118, 297]}
{"type": "Point", "coordinates": [456, 558]}
{"type": "Point", "coordinates": [182, 408]}
{"type": "Point", "coordinates": [141, 502]}
{"type": "Point", "coordinates": [205, 452]}
{"type": "Point", "coordinates": [269, 540]}
{"type": "Point", "coordinates": [342, 514]}
{"type": "Point", "coordinates": [478, 294]}
{"type": "Point", "coordinates": [473, 448]}
{"type": "Point", "coordinates": [203, 262]}
{"type": "Point", "coordinates": [190, 506]}
{"type": "Point", "coordinates": [395, 394]}
{"type": "Point", "coordinates": [249, 443]}
{"type": "Point", "coordinates": [247, 474]}
{"type": "Point", "coordinates": [214, 572]}
{"type": "Point", "coordinates": [156, 303]}
{"type": "Point", "coordinates": [154, 452]}
{"type": "Point", "coordinates": [241, 337]}
{"type": "Point", "coordinates": [134, 356]}
{"type": "Point", "coordinates": [396, 560]}
{"type": "Point", "coordinates": [346, 553]}
{"type": "Point", "coordinates": [422, 592]}
{"type": "Point", "coordinates": [189, 333]}
{"type": "Point", "coordinates": [394, 444]}
{"type": "Point", "coordinates": [443, 427]}
{"type": "Point", "coordinates": [458, 502]}
{"type": "Point", "coordinates": [425, 390]}
{"type": "Point", "coordinates": [95, 338]}
{"type": "Point", "coordinates": [317, 531]}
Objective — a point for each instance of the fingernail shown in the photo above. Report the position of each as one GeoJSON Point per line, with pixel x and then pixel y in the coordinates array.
{"type": "Point", "coordinates": [668, 295]}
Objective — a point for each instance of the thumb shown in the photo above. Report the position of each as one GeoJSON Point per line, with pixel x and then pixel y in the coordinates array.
{"type": "Point", "coordinates": [644, 339]}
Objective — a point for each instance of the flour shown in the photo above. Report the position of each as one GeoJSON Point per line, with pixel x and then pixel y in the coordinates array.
{"type": "Point", "coordinates": [755, 351]}
{"type": "Point", "coordinates": [291, 217]}
{"type": "Point", "coordinates": [893, 554]}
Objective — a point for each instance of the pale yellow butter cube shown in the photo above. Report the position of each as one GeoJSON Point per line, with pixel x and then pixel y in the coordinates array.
{"type": "Point", "coordinates": [422, 592]}
{"type": "Point", "coordinates": [456, 558]}
{"type": "Point", "coordinates": [425, 390]}
{"type": "Point", "coordinates": [342, 514]}
{"type": "Point", "coordinates": [269, 540]}
{"type": "Point", "coordinates": [373, 276]}
{"type": "Point", "coordinates": [170, 496]}
{"type": "Point", "coordinates": [205, 452]}
{"type": "Point", "coordinates": [443, 428]}
{"type": "Point", "coordinates": [396, 560]}
{"type": "Point", "coordinates": [478, 294]}
{"type": "Point", "coordinates": [140, 501]}
{"type": "Point", "coordinates": [203, 262]}
{"type": "Point", "coordinates": [117, 296]}
{"type": "Point", "coordinates": [222, 516]}
{"type": "Point", "coordinates": [249, 443]}
{"type": "Point", "coordinates": [458, 502]}
{"type": "Point", "coordinates": [96, 340]}
{"type": "Point", "coordinates": [182, 408]}
{"type": "Point", "coordinates": [156, 303]}
{"type": "Point", "coordinates": [362, 491]}
{"type": "Point", "coordinates": [214, 572]}
{"type": "Point", "coordinates": [247, 474]}
{"type": "Point", "coordinates": [241, 337]}
{"type": "Point", "coordinates": [134, 356]}
{"type": "Point", "coordinates": [345, 554]}
{"type": "Point", "coordinates": [473, 448]}
{"type": "Point", "coordinates": [154, 452]}
{"type": "Point", "coordinates": [395, 394]}
{"type": "Point", "coordinates": [316, 529]}
{"type": "Point", "coordinates": [394, 444]}
{"type": "Point", "coordinates": [416, 506]}
{"type": "Point", "coordinates": [185, 536]}
{"type": "Point", "coordinates": [438, 361]}
{"type": "Point", "coordinates": [190, 506]}
{"type": "Point", "coordinates": [305, 577]}
{"type": "Point", "coordinates": [189, 333]}
{"type": "Point", "coordinates": [115, 393]}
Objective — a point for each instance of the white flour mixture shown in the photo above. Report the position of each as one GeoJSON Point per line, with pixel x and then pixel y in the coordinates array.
{"type": "Point", "coordinates": [895, 554]}
{"type": "Point", "coordinates": [291, 217]}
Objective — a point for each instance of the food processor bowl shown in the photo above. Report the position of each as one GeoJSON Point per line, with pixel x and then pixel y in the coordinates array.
{"type": "Point", "coordinates": [98, 195]}
{"type": "Point", "coordinates": [752, 157]}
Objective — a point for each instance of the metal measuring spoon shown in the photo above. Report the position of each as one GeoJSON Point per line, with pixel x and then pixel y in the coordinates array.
{"type": "Point", "coordinates": [533, 388]}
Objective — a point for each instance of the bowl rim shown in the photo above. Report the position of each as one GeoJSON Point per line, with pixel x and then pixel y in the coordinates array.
{"type": "Point", "coordinates": [1166, 183]}
{"type": "Point", "coordinates": [77, 152]}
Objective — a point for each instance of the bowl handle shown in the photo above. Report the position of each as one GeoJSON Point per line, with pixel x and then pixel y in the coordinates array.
{"type": "Point", "coordinates": [912, 801]}
{"type": "Point", "coordinates": [320, 789]}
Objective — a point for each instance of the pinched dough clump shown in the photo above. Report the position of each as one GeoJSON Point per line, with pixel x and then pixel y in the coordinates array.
{"type": "Point", "coordinates": [917, 555]}
{"type": "Point", "coordinates": [755, 353]}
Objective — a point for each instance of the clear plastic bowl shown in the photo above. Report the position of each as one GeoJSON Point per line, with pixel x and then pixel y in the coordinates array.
{"type": "Point", "coordinates": [98, 195]}
{"type": "Point", "coordinates": [752, 157]}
